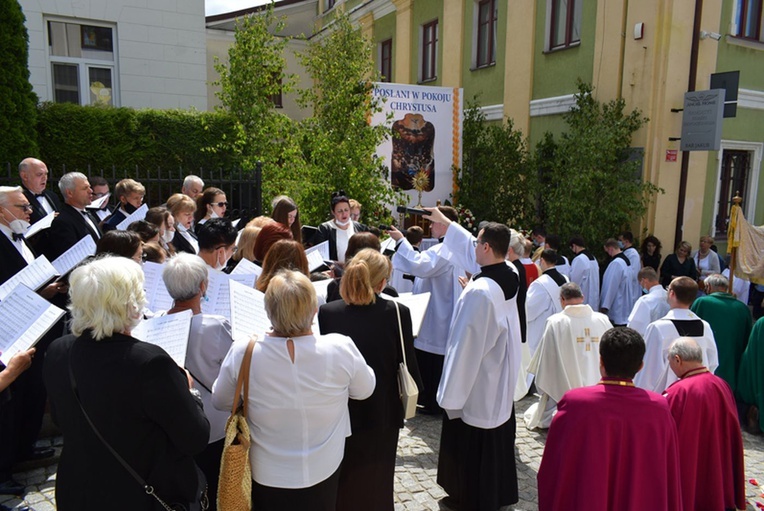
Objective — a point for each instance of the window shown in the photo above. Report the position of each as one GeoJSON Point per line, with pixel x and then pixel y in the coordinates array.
{"type": "Point", "coordinates": [386, 60]}
{"type": "Point", "coordinates": [487, 15]}
{"type": "Point", "coordinates": [564, 23]}
{"type": "Point", "coordinates": [736, 166]}
{"type": "Point", "coordinates": [429, 50]}
{"type": "Point", "coordinates": [749, 19]}
{"type": "Point", "coordinates": [330, 4]}
{"type": "Point", "coordinates": [82, 63]}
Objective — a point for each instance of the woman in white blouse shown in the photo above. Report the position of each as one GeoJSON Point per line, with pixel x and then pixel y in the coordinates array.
{"type": "Point", "coordinates": [298, 400]}
{"type": "Point", "coordinates": [706, 260]}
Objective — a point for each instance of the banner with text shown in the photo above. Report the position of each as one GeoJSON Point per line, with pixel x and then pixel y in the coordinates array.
{"type": "Point", "coordinates": [425, 141]}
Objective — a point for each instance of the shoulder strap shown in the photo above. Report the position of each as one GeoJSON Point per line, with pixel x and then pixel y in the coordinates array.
{"type": "Point", "coordinates": [400, 331]}
{"type": "Point", "coordinates": [243, 379]}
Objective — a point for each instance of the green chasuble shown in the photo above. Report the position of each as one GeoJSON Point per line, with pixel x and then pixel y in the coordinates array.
{"type": "Point", "coordinates": [750, 388]}
{"type": "Point", "coordinates": [731, 322]}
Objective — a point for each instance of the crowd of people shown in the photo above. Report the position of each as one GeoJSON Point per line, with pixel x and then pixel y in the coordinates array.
{"type": "Point", "coordinates": [645, 367]}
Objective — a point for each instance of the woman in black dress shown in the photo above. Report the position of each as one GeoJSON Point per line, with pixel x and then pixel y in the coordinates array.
{"type": "Point", "coordinates": [368, 467]}
{"type": "Point", "coordinates": [678, 264]}
{"type": "Point", "coordinates": [650, 253]}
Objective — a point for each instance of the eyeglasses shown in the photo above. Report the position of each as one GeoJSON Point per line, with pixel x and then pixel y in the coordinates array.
{"type": "Point", "coordinates": [25, 207]}
{"type": "Point", "coordinates": [220, 204]}
{"type": "Point", "coordinates": [98, 195]}
{"type": "Point", "coordinates": [475, 242]}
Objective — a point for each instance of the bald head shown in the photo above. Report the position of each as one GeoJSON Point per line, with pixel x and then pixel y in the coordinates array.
{"type": "Point", "coordinates": [33, 174]}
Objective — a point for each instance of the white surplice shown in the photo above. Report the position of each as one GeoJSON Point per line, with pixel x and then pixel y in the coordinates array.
{"type": "Point", "coordinates": [482, 357]}
{"type": "Point", "coordinates": [617, 291]}
{"type": "Point", "coordinates": [656, 375]}
{"type": "Point", "coordinates": [636, 265]}
{"type": "Point", "coordinates": [438, 276]}
{"type": "Point", "coordinates": [567, 358]}
{"type": "Point", "coordinates": [542, 300]}
{"type": "Point", "coordinates": [586, 273]}
{"type": "Point", "coordinates": [650, 307]}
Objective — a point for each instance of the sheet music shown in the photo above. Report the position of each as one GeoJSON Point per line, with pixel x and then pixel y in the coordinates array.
{"type": "Point", "coordinates": [247, 312]}
{"type": "Point", "coordinates": [388, 244]}
{"type": "Point", "coordinates": [417, 304]}
{"type": "Point", "coordinates": [26, 317]}
{"type": "Point", "coordinates": [99, 203]}
{"type": "Point", "coordinates": [138, 214]}
{"type": "Point", "coordinates": [322, 248]}
{"type": "Point", "coordinates": [247, 267]}
{"type": "Point", "coordinates": [86, 247]}
{"type": "Point", "coordinates": [169, 332]}
{"type": "Point", "coordinates": [157, 297]}
{"type": "Point", "coordinates": [43, 223]}
{"type": "Point", "coordinates": [219, 294]}
{"type": "Point", "coordinates": [34, 276]}
{"type": "Point", "coordinates": [315, 260]}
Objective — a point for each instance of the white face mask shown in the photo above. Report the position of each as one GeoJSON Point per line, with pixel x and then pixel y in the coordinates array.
{"type": "Point", "coordinates": [181, 227]}
{"type": "Point", "coordinates": [213, 214]}
{"type": "Point", "coordinates": [168, 235]}
{"type": "Point", "coordinates": [17, 225]}
{"type": "Point", "coordinates": [342, 224]}
{"type": "Point", "coordinates": [219, 266]}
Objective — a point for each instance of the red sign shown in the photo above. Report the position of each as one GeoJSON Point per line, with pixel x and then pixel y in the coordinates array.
{"type": "Point", "coordinates": [671, 154]}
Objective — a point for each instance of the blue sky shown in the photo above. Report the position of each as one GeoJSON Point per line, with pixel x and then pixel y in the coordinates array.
{"type": "Point", "coordinates": [220, 6]}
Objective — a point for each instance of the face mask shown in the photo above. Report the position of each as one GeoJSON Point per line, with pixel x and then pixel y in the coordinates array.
{"type": "Point", "coordinates": [168, 235]}
{"type": "Point", "coordinates": [129, 208]}
{"type": "Point", "coordinates": [213, 214]}
{"type": "Point", "coordinates": [645, 290]}
{"type": "Point", "coordinates": [17, 225]}
{"type": "Point", "coordinates": [620, 245]}
{"type": "Point", "coordinates": [341, 224]}
{"type": "Point", "coordinates": [219, 266]}
{"type": "Point", "coordinates": [181, 227]}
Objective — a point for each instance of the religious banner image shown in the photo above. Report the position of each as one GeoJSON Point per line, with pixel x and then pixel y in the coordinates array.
{"type": "Point", "coordinates": [425, 139]}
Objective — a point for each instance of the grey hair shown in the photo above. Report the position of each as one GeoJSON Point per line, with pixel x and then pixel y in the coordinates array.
{"type": "Point", "coordinates": [570, 291]}
{"type": "Point", "coordinates": [191, 179]}
{"type": "Point", "coordinates": [183, 276]}
{"type": "Point", "coordinates": [687, 349]}
{"type": "Point", "coordinates": [517, 243]}
{"type": "Point", "coordinates": [717, 281]}
{"type": "Point", "coordinates": [5, 191]}
{"type": "Point", "coordinates": [67, 181]}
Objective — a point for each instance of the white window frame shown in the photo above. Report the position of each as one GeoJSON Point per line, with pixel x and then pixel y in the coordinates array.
{"type": "Point", "coordinates": [749, 202]}
{"type": "Point", "coordinates": [83, 63]}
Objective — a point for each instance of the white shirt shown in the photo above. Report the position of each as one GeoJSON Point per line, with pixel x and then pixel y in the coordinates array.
{"type": "Point", "coordinates": [650, 307]}
{"type": "Point", "coordinates": [436, 275]}
{"type": "Point", "coordinates": [20, 245]}
{"type": "Point", "coordinates": [208, 344]}
{"type": "Point", "coordinates": [90, 222]}
{"type": "Point", "coordinates": [343, 236]}
{"type": "Point", "coordinates": [567, 357]}
{"type": "Point", "coordinates": [46, 205]}
{"type": "Point", "coordinates": [564, 268]}
{"type": "Point", "coordinates": [187, 235]}
{"type": "Point", "coordinates": [656, 375]}
{"type": "Point", "coordinates": [617, 291]}
{"type": "Point", "coordinates": [586, 273]}
{"type": "Point", "coordinates": [297, 411]}
{"type": "Point", "coordinates": [740, 287]}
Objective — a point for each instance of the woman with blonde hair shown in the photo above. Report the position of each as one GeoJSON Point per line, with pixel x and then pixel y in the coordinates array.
{"type": "Point", "coordinates": [131, 391]}
{"type": "Point", "coordinates": [182, 208]}
{"type": "Point", "coordinates": [678, 264]}
{"type": "Point", "coordinates": [299, 385]}
{"type": "Point", "coordinates": [366, 478]}
{"type": "Point", "coordinates": [706, 260]}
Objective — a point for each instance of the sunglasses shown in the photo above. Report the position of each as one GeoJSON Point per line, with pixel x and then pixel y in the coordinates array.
{"type": "Point", "coordinates": [220, 204]}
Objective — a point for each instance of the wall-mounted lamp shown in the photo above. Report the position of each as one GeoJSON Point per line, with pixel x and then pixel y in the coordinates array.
{"type": "Point", "coordinates": [712, 35]}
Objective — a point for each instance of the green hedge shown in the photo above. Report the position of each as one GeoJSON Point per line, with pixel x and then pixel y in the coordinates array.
{"type": "Point", "coordinates": [80, 136]}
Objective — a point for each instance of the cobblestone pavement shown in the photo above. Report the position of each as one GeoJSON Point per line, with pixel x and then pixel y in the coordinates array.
{"type": "Point", "coordinates": [416, 469]}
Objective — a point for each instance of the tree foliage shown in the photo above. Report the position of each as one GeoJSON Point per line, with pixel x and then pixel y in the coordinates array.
{"type": "Point", "coordinates": [17, 101]}
{"type": "Point", "coordinates": [495, 181]}
{"type": "Point", "coordinates": [588, 183]}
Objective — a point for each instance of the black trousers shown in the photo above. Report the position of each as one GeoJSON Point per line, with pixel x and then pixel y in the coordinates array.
{"type": "Point", "coordinates": [319, 497]}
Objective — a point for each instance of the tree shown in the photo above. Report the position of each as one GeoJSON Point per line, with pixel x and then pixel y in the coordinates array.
{"type": "Point", "coordinates": [591, 186]}
{"type": "Point", "coordinates": [495, 182]}
{"type": "Point", "coordinates": [18, 111]}
{"type": "Point", "coordinates": [339, 143]}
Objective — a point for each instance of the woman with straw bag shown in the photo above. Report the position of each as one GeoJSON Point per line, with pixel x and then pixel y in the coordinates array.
{"type": "Point", "coordinates": [299, 384]}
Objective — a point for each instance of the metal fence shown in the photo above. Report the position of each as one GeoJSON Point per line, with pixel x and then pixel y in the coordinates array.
{"type": "Point", "coordinates": [243, 188]}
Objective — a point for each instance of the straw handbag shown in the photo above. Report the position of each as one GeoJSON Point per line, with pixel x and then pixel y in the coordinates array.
{"type": "Point", "coordinates": [235, 483]}
{"type": "Point", "coordinates": [407, 387]}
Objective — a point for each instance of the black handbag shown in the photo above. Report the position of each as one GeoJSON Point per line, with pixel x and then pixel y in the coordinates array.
{"type": "Point", "coordinates": [203, 501]}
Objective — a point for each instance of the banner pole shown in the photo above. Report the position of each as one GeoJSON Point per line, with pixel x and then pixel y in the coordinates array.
{"type": "Point", "coordinates": [732, 249]}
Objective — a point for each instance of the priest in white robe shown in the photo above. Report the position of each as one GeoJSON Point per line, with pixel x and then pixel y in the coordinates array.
{"type": "Point", "coordinates": [627, 241]}
{"type": "Point", "coordinates": [438, 276]}
{"type": "Point", "coordinates": [543, 298]}
{"type": "Point", "coordinates": [652, 305]}
{"type": "Point", "coordinates": [479, 373]}
{"type": "Point", "coordinates": [568, 356]}
{"type": "Point", "coordinates": [656, 375]}
{"type": "Point", "coordinates": [616, 296]}
{"type": "Point", "coordinates": [585, 271]}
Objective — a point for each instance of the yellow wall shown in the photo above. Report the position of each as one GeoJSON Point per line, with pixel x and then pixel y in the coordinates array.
{"type": "Point", "coordinates": [518, 68]}
{"type": "Point", "coordinates": [404, 36]}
